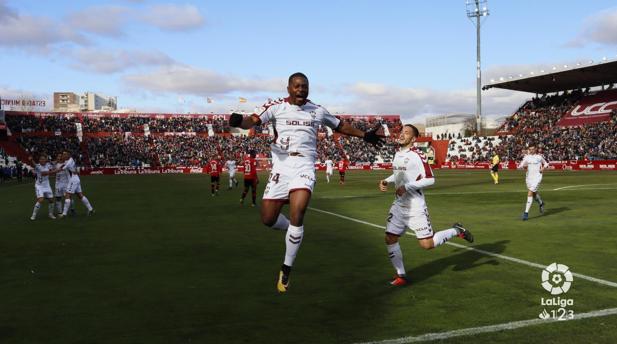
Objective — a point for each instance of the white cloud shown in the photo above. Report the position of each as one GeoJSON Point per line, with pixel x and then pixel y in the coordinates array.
{"type": "Point", "coordinates": [416, 104]}
{"type": "Point", "coordinates": [171, 17]}
{"type": "Point", "coordinates": [32, 32]}
{"type": "Point", "coordinates": [183, 79]}
{"type": "Point", "coordinates": [106, 61]}
{"type": "Point", "coordinates": [101, 20]}
{"type": "Point", "coordinates": [599, 28]}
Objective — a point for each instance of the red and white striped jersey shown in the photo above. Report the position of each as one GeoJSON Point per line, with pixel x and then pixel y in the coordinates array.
{"type": "Point", "coordinates": [410, 169]}
{"type": "Point", "coordinates": [295, 127]}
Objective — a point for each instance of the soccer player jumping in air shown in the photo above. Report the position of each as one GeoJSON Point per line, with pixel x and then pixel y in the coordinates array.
{"type": "Point", "coordinates": [295, 120]}
{"type": "Point", "coordinates": [411, 173]}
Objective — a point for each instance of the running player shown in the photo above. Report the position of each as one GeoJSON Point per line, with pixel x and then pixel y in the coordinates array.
{"type": "Point", "coordinates": [295, 120]}
{"type": "Point", "coordinates": [62, 182]}
{"type": "Point", "coordinates": [250, 178]}
{"type": "Point", "coordinates": [342, 167]}
{"type": "Point", "coordinates": [495, 167]}
{"type": "Point", "coordinates": [329, 169]}
{"type": "Point", "coordinates": [411, 174]}
{"type": "Point", "coordinates": [535, 165]}
{"type": "Point", "coordinates": [74, 186]}
{"type": "Point", "coordinates": [215, 168]}
{"type": "Point", "coordinates": [231, 169]}
{"type": "Point", "coordinates": [42, 188]}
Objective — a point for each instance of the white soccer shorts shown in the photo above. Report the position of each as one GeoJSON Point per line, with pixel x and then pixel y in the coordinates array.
{"type": "Point", "coordinates": [232, 173]}
{"type": "Point", "coordinates": [401, 218]}
{"type": "Point", "coordinates": [329, 172]}
{"type": "Point", "coordinates": [288, 174]}
{"type": "Point", "coordinates": [60, 190]}
{"type": "Point", "coordinates": [533, 184]}
{"type": "Point", "coordinates": [43, 191]}
{"type": "Point", "coordinates": [74, 186]}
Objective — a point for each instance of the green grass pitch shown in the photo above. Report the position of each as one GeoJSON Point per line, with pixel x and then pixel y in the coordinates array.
{"type": "Point", "coordinates": [164, 262]}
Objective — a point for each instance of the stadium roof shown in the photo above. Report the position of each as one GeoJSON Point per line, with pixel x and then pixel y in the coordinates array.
{"type": "Point", "coordinates": [571, 79]}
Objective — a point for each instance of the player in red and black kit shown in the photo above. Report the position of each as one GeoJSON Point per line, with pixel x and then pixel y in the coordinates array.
{"type": "Point", "coordinates": [342, 167]}
{"type": "Point", "coordinates": [215, 167]}
{"type": "Point", "coordinates": [250, 177]}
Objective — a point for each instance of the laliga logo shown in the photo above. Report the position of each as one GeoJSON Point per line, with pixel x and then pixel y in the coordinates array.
{"type": "Point", "coordinates": [557, 279]}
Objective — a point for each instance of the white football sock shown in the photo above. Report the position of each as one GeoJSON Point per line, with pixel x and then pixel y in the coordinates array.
{"type": "Point", "coordinates": [396, 258]}
{"type": "Point", "coordinates": [85, 201]}
{"type": "Point", "coordinates": [529, 203]}
{"type": "Point", "coordinates": [328, 177]}
{"type": "Point", "coordinates": [441, 237]}
{"type": "Point", "coordinates": [281, 223]}
{"type": "Point", "coordinates": [538, 198]}
{"type": "Point", "coordinates": [35, 211]}
{"type": "Point", "coordinates": [67, 205]}
{"type": "Point", "coordinates": [293, 239]}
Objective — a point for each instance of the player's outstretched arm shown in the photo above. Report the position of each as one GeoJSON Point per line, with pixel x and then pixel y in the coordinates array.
{"type": "Point", "coordinates": [237, 120]}
{"type": "Point", "coordinates": [369, 136]}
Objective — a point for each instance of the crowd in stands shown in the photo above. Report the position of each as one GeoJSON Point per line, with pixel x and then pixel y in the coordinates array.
{"type": "Point", "coordinates": [136, 149]}
{"type": "Point", "coordinates": [136, 124]}
{"type": "Point", "coordinates": [52, 146]}
{"type": "Point", "coordinates": [26, 124]}
{"type": "Point", "coordinates": [12, 168]}
{"type": "Point", "coordinates": [473, 149]}
{"type": "Point", "coordinates": [535, 124]}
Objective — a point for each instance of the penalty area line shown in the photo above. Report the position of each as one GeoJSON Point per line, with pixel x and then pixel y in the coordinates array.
{"type": "Point", "coordinates": [471, 248]}
{"type": "Point", "coordinates": [492, 328]}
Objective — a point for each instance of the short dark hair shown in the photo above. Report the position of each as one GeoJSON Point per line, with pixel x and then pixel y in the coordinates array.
{"type": "Point", "coordinates": [416, 133]}
{"type": "Point", "coordinates": [296, 75]}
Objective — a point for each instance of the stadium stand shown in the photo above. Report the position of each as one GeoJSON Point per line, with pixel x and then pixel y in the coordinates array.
{"type": "Point", "coordinates": [149, 140]}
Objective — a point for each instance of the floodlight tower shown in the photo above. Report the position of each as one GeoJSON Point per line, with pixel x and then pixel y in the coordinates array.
{"type": "Point", "coordinates": [478, 9]}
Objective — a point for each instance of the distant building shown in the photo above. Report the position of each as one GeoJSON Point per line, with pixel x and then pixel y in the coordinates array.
{"type": "Point", "coordinates": [89, 101]}
{"type": "Point", "coordinates": [452, 124]}
{"type": "Point", "coordinates": [67, 102]}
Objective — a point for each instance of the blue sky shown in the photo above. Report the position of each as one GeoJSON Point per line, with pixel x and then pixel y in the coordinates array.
{"type": "Point", "coordinates": [404, 57]}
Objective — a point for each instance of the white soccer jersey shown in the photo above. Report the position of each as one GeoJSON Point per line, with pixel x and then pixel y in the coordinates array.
{"type": "Point", "coordinates": [534, 163]}
{"type": "Point", "coordinates": [62, 177]}
{"type": "Point", "coordinates": [41, 180]}
{"type": "Point", "coordinates": [71, 168]}
{"type": "Point", "coordinates": [295, 127]}
{"type": "Point", "coordinates": [231, 166]}
{"type": "Point", "coordinates": [329, 166]}
{"type": "Point", "coordinates": [411, 170]}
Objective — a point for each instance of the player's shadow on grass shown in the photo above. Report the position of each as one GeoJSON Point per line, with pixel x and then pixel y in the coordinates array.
{"type": "Point", "coordinates": [553, 211]}
{"type": "Point", "coordinates": [464, 260]}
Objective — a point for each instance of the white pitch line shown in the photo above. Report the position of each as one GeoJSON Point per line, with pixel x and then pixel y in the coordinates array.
{"type": "Point", "coordinates": [492, 328]}
{"type": "Point", "coordinates": [575, 186]}
{"type": "Point", "coordinates": [496, 255]}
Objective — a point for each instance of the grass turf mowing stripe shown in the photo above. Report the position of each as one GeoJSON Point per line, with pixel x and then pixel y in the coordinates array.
{"type": "Point", "coordinates": [492, 328]}
{"type": "Point", "coordinates": [501, 256]}
{"type": "Point", "coordinates": [565, 188]}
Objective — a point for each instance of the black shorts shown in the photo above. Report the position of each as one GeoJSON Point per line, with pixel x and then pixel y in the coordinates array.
{"type": "Point", "coordinates": [495, 168]}
{"type": "Point", "coordinates": [342, 173]}
{"type": "Point", "coordinates": [250, 183]}
{"type": "Point", "coordinates": [214, 179]}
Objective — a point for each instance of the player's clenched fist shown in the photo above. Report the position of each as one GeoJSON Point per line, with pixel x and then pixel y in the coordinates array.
{"type": "Point", "coordinates": [383, 185]}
